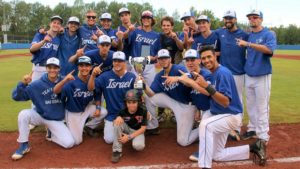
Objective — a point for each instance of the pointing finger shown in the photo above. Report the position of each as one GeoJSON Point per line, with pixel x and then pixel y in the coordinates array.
{"type": "Point", "coordinates": [30, 74]}
{"type": "Point", "coordinates": [72, 72]}
{"type": "Point", "coordinates": [181, 72]}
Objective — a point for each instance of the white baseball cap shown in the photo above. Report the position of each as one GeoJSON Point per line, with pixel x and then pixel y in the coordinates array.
{"type": "Point", "coordinates": [230, 13]}
{"type": "Point", "coordinates": [73, 19]}
{"type": "Point", "coordinates": [147, 14]}
{"type": "Point", "coordinates": [104, 39]}
{"type": "Point", "coordinates": [203, 17]}
{"type": "Point", "coordinates": [255, 12]}
{"type": "Point", "coordinates": [191, 53]}
{"type": "Point", "coordinates": [105, 16]}
{"type": "Point", "coordinates": [119, 56]}
{"type": "Point", "coordinates": [84, 59]}
{"type": "Point", "coordinates": [163, 53]}
{"type": "Point", "coordinates": [57, 17]}
{"type": "Point", "coordinates": [186, 14]}
{"type": "Point", "coordinates": [123, 10]}
{"type": "Point", "coordinates": [52, 61]}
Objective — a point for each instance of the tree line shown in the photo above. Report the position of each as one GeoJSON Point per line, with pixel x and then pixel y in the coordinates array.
{"type": "Point", "coordinates": [25, 18]}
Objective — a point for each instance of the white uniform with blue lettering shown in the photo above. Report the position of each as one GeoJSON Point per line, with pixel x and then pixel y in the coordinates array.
{"type": "Point", "coordinates": [258, 82]}
{"type": "Point", "coordinates": [216, 124]}
{"type": "Point", "coordinates": [177, 98]}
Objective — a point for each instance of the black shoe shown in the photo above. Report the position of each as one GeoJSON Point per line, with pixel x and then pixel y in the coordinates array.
{"type": "Point", "coordinates": [152, 132]}
{"type": "Point", "coordinates": [259, 150]}
{"type": "Point", "coordinates": [248, 135]}
{"type": "Point", "coordinates": [91, 132]}
{"type": "Point", "coordinates": [116, 157]}
{"type": "Point", "coordinates": [234, 135]}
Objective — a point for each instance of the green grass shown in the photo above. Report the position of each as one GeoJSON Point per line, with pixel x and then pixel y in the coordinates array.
{"type": "Point", "coordinates": [288, 52]}
{"type": "Point", "coordinates": [285, 93]}
{"type": "Point", "coordinates": [17, 51]}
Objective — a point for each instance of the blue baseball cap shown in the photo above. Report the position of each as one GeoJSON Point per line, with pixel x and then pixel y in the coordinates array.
{"type": "Point", "coordinates": [105, 16]}
{"type": "Point", "coordinates": [84, 59]}
{"type": "Point", "coordinates": [53, 61]}
{"type": "Point", "coordinates": [255, 12]}
{"type": "Point", "coordinates": [191, 53]}
{"type": "Point", "coordinates": [186, 15]}
{"type": "Point", "coordinates": [104, 39]}
{"type": "Point", "coordinates": [230, 13]}
{"type": "Point", "coordinates": [122, 10]}
{"type": "Point", "coordinates": [203, 18]}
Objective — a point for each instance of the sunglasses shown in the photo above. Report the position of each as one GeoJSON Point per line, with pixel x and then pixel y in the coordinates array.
{"type": "Point", "coordinates": [228, 18]}
{"type": "Point", "coordinates": [89, 17]}
{"type": "Point", "coordinates": [253, 17]}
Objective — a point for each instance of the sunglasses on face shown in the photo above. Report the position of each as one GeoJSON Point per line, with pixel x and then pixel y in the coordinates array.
{"type": "Point", "coordinates": [253, 17]}
{"type": "Point", "coordinates": [228, 18]}
{"type": "Point", "coordinates": [89, 17]}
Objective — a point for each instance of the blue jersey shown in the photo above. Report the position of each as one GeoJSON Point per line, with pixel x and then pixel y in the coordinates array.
{"type": "Point", "coordinates": [200, 41]}
{"type": "Point", "coordinates": [258, 63]}
{"type": "Point", "coordinates": [140, 38]}
{"type": "Point", "coordinates": [223, 82]}
{"type": "Point", "coordinates": [112, 34]}
{"type": "Point", "coordinates": [97, 59]}
{"type": "Point", "coordinates": [114, 89]}
{"type": "Point", "coordinates": [201, 101]}
{"type": "Point", "coordinates": [40, 92]}
{"type": "Point", "coordinates": [85, 33]}
{"type": "Point", "coordinates": [48, 50]}
{"type": "Point", "coordinates": [69, 46]}
{"type": "Point", "coordinates": [76, 95]}
{"type": "Point", "coordinates": [126, 45]}
{"type": "Point", "coordinates": [176, 91]}
{"type": "Point", "coordinates": [232, 56]}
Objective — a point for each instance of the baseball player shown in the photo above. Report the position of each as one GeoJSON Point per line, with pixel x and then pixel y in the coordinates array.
{"type": "Point", "coordinates": [189, 27]}
{"type": "Point", "coordinates": [49, 109]}
{"type": "Point", "coordinates": [113, 84]}
{"type": "Point", "coordinates": [70, 43]}
{"type": "Point", "coordinates": [79, 100]}
{"type": "Point", "coordinates": [260, 47]}
{"type": "Point", "coordinates": [44, 46]}
{"type": "Point", "coordinates": [130, 124]}
{"type": "Point", "coordinates": [224, 115]}
{"type": "Point", "coordinates": [167, 92]}
{"type": "Point", "coordinates": [233, 56]}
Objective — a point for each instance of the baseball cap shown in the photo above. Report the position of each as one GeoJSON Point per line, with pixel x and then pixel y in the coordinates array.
{"type": "Point", "coordinates": [230, 13]}
{"type": "Point", "coordinates": [147, 14]}
{"type": "Point", "coordinates": [186, 14]}
{"type": "Point", "coordinates": [119, 56]}
{"type": "Point", "coordinates": [203, 17]}
{"type": "Point", "coordinates": [104, 39]}
{"type": "Point", "coordinates": [105, 16]}
{"type": "Point", "coordinates": [255, 12]}
{"type": "Point", "coordinates": [52, 61]}
{"type": "Point", "coordinates": [73, 19]}
{"type": "Point", "coordinates": [163, 53]}
{"type": "Point", "coordinates": [191, 53]}
{"type": "Point", "coordinates": [132, 94]}
{"type": "Point", "coordinates": [57, 17]}
{"type": "Point", "coordinates": [123, 10]}
{"type": "Point", "coordinates": [84, 59]}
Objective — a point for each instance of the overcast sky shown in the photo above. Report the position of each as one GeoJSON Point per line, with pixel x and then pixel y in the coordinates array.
{"type": "Point", "coordinates": [276, 12]}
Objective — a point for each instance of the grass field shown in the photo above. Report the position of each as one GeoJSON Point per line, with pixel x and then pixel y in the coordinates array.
{"type": "Point", "coordinates": [288, 52]}
{"type": "Point", "coordinates": [285, 94]}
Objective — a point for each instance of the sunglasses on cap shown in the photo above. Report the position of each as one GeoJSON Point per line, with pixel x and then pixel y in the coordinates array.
{"type": "Point", "coordinates": [89, 17]}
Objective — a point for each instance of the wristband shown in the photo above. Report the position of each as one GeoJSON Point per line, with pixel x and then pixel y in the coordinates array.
{"type": "Point", "coordinates": [210, 89]}
{"type": "Point", "coordinates": [98, 107]}
{"type": "Point", "coordinates": [249, 44]}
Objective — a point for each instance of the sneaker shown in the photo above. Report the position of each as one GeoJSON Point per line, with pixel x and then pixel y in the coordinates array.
{"type": "Point", "coordinates": [48, 135]}
{"type": "Point", "coordinates": [116, 157]}
{"type": "Point", "coordinates": [249, 135]}
{"type": "Point", "coordinates": [21, 151]}
{"type": "Point", "coordinates": [152, 132]}
{"type": "Point", "coordinates": [91, 132]}
{"type": "Point", "coordinates": [259, 150]}
{"type": "Point", "coordinates": [234, 135]}
{"type": "Point", "coordinates": [194, 157]}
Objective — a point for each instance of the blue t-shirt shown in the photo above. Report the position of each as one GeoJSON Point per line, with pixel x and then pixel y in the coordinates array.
{"type": "Point", "coordinates": [85, 33]}
{"type": "Point", "coordinates": [200, 41]}
{"type": "Point", "coordinates": [201, 101]}
{"type": "Point", "coordinates": [114, 89]}
{"type": "Point", "coordinates": [258, 63]}
{"type": "Point", "coordinates": [126, 45]}
{"type": "Point", "coordinates": [97, 59]}
{"type": "Point", "coordinates": [48, 50]}
{"type": "Point", "coordinates": [112, 34]}
{"type": "Point", "coordinates": [223, 82]}
{"type": "Point", "coordinates": [176, 91]}
{"type": "Point", "coordinates": [232, 56]}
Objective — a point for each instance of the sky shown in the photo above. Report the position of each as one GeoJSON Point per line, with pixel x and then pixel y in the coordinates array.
{"type": "Point", "coordinates": [276, 12]}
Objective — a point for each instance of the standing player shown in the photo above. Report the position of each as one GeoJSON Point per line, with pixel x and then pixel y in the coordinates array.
{"type": "Point", "coordinates": [44, 46]}
{"type": "Point", "coordinates": [224, 115]}
{"type": "Point", "coordinates": [113, 84]}
{"type": "Point", "coordinates": [130, 124]}
{"type": "Point", "coordinates": [260, 47]}
{"type": "Point", "coordinates": [233, 56]}
{"type": "Point", "coordinates": [189, 27]}
{"type": "Point", "coordinates": [167, 92]}
{"type": "Point", "coordinates": [49, 109]}
{"type": "Point", "coordinates": [79, 100]}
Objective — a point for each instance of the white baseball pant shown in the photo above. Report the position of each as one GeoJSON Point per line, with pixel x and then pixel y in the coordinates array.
{"type": "Point", "coordinates": [37, 72]}
{"type": "Point", "coordinates": [184, 114]}
{"type": "Point", "coordinates": [258, 90]}
{"type": "Point", "coordinates": [76, 120]}
{"type": "Point", "coordinates": [240, 85]}
{"type": "Point", "coordinates": [60, 133]}
{"type": "Point", "coordinates": [213, 133]}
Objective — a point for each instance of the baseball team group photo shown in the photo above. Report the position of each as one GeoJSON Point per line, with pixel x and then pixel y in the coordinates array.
{"type": "Point", "coordinates": [126, 85]}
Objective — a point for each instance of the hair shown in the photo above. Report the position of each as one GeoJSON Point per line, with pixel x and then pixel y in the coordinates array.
{"type": "Point", "coordinates": [207, 48]}
{"type": "Point", "coordinates": [167, 18]}
{"type": "Point", "coordinates": [90, 11]}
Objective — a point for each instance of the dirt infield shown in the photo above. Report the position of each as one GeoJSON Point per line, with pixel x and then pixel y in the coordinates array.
{"type": "Point", "coordinates": [160, 150]}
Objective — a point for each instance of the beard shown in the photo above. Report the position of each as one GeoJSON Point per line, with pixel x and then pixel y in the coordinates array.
{"type": "Point", "coordinates": [229, 25]}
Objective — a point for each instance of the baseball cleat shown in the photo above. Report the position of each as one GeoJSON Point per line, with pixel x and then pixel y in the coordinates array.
{"type": "Point", "coordinates": [48, 135]}
{"type": "Point", "coordinates": [194, 157]}
{"type": "Point", "coordinates": [21, 151]}
{"type": "Point", "coordinates": [116, 157]}
{"type": "Point", "coordinates": [248, 135]}
{"type": "Point", "coordinates": [259, 151]}
{"type": "Point", "coordinates": [234, 135]}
